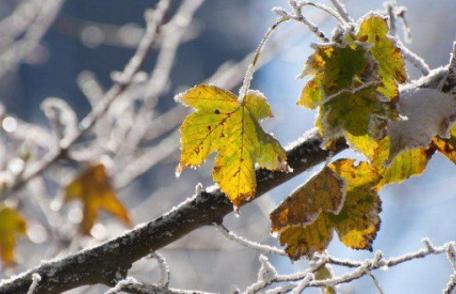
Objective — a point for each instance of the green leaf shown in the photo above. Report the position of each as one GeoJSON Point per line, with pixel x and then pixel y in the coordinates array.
{"type": "Point", "coordinates": [356, 114]}
{"type": "Point", "coordinates": [334, 68]}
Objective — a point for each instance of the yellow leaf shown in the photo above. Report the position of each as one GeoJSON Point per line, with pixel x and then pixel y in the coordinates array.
{"type": "Point", "coordinates": [12, 225]}
{"type": "Point", "coordinates": [223, 124]}
{"type": "Point", "coordinates": [374, 30]}
{"type": "Point", "coordinates": [306, 240]}
{"type": "Point", "coordinates": [356, 223]}
{"type": "Point", "coordinates": [93, 188]}
{"type": "Point", "coordinates": [411, 162]}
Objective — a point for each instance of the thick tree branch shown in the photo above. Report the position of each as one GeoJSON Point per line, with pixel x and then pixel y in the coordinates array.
{"type": "Point", "coordinates": [109, 262]}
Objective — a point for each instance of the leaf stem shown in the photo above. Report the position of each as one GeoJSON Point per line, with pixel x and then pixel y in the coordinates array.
{"type": "Point", "coordinates": [251, 68]}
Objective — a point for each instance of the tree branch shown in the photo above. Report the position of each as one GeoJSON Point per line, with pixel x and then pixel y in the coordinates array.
{"type": "Point", "coordinates": [109, 262]}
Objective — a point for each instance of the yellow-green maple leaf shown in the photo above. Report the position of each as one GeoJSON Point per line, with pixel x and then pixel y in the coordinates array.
{"type": "Point", "coordinates": [93, 188]}
{"type": "Point", "coordinates": [223, 124]}
{"type": "Point", "coordinates": [356, 223]}
{"type": "Point", "coordinates": [339, 87]}
{"type": "Point", "coordinates": [374, 30]}
{"type": "Point", "coordinates": [12, 225]}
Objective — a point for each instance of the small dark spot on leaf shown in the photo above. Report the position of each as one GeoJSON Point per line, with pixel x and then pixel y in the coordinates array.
{"type": "Point", "coordinates": [363, 38]}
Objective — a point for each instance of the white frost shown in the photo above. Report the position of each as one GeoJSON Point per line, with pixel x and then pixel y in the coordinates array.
{"type": "Point", "coordinates": [428, 113]}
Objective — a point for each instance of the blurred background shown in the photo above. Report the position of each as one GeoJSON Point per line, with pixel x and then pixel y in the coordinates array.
{"type": "Point", "coordinates": [87, 40]}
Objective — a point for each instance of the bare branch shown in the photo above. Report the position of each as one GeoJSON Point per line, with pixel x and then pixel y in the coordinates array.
{"type": "Point", "coordinates": [153, 22]}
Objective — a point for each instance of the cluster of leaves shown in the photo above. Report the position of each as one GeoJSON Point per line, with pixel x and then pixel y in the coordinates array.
{"type": "Point", "coordinates": [355, 87]}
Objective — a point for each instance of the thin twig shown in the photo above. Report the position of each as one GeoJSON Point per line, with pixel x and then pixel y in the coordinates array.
{"type": "Point", "coordinates": [342, 11]}
{"type": "Point", "coordinates": [266, 249]}
{"type": "Point", "coordinates": [251, 68]}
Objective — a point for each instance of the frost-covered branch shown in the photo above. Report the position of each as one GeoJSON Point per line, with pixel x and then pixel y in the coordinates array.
{"type": "Point", "coordinates": [306, 279]}
{"type": "Point", "coordinates": [342, 11]}
{"type": "Point", "coordinates": [297, 15]}
{"type": "Point", "coordinates": [108, 263]}
{"type": "Point", "coordinates": [131, 285]}
{"type": "Point", "coordinates": [265, 249]}
{"type": "Point", "coordinates": [154, 22]}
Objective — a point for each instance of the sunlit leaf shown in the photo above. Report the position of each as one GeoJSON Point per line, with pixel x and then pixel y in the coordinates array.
{"type": "Point", "coordinates": [374, 30]}
{"type": "Point", "coordinates": [358, 222]}
{"type": "Point", "coordinates": [223, 124]}
{"type": "Point", "coordinates": [411, 162]}
{"type": "Point", "coordinates": [334, 68]}
{"type": "Point", "coordinates": [305, 227]}
{"type": "Point", "coordinates": [12, 226]}
{"type": "Point", "coordinates": [94, 190]}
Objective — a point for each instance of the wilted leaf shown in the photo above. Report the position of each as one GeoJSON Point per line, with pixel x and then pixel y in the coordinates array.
{"type": "Point", "coordinates": [324, 192]}
{"type": "Point", "coordinates": [12, 225]}
{"type": "Point", "coordinates": [93, 188]}
{"type": "Point", "coordinates": [334, 68]}
{"type": "Point", "coordinates": [374, 30]}
{"type": "Point", "coordinates": [356, 224]}
{"type": "Point", "coordinates": [428, 113]}
{"type": "Point", "coordinates": [229, 127]}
